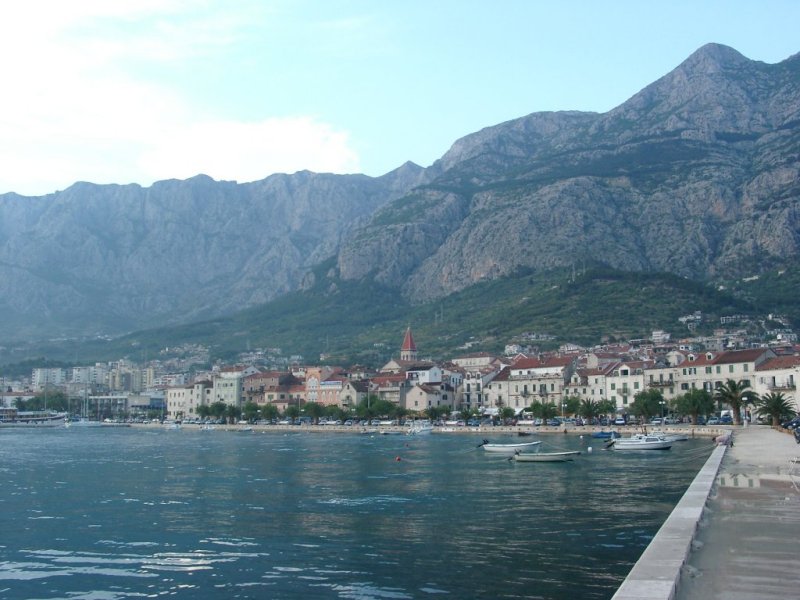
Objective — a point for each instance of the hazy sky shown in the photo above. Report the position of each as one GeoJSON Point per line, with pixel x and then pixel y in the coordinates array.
{"type": "Point", "coordinates": [134, 91]}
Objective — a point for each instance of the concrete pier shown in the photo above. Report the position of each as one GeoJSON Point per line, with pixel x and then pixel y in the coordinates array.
{"type": "Point", "coordinates": [735, 533]}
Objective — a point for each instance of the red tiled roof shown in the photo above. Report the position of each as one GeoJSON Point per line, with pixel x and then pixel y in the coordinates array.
{"type": "Point", "coordinates": [779, 362]}
{"type": "Point", "coordinates": [741, 356]}
{"type": "Point", "coordinates": [536, 363]}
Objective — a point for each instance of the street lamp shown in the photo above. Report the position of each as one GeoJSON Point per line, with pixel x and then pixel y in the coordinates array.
{"type": "Point", "coordinates": [663, 405]}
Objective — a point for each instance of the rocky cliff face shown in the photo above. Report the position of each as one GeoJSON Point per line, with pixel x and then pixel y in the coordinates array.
{"type": "Point", "coordinates": [114, 258]}
{"type": "Point", "coordinates": [698, 175]}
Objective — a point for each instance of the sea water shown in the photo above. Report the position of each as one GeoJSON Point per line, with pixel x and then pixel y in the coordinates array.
{"type": "Point", "coordinates": [106, 514]}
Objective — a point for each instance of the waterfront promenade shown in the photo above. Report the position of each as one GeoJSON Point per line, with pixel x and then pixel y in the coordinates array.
{"type": "Point", "coordinates": [735, 533]}
{"type": "Point", "coordinates": [748, 543]}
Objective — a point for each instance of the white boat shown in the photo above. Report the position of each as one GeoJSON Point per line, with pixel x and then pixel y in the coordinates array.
{"type": "Point", "coordinates": [641, 441]}
{"type": "Point", "coordinates": [671, 437]}
{"type": "Point", "coordinates": [82, 422]}
{"type": "Point", "coordinates": [509, 448]}
{"type": "Point", "coordinates": [546, 456]}
{"type": "Point", "coordinates": [420, 428]}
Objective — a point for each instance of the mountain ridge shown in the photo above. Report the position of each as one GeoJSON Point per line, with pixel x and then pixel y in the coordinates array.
{"type": "Point", "coordinates": [702, 155]}
{"type": "Point", "coordinates": [696, 175]}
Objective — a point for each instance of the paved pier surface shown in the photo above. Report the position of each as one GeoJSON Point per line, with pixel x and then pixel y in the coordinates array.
{"type": "Point", "coordinates": [748, 543]}
{"type": "Point", "coordinates": [735, 533]}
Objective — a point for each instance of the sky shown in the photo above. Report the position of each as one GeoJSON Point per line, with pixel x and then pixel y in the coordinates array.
{"type": "Point", "coordinates": [137, 91]}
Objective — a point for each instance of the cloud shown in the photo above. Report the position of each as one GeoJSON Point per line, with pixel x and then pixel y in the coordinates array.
{"type": "Point", "coordinates": [249, 151]}
{"type": "Point", "coordinates": [81, 101]}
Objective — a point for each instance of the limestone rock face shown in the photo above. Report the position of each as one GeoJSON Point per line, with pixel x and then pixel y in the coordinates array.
{"type": "Point", "coordinates": [114, 258]}
{"type": "Point", "coordinates": [698, 174]}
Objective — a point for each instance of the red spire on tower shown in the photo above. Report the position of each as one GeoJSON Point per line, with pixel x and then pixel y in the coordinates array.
{"type": "Point", "coordinates": [408, 342]}
{"type": "Point", "coordinates": [408, 351]}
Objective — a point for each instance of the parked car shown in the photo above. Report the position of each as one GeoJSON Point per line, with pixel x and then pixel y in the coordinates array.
{"type": "Point", "coordinates": [794, 424]}
{"type": "Point", "coordinates": [726, 420]}
{"type": "Point", "coordinates": [619, 421]}
{"type": "Point", "coordinates": [713, 421]}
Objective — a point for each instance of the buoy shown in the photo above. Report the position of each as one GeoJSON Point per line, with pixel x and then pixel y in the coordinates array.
{"type": "Point", "coordinates": [589, 449]}
{"type": "Point", "coordinates": [397, 458]}
{"type": "Point", "coordinates": [581, 437]}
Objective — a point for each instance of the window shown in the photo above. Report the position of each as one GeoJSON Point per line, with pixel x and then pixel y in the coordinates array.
{"type": "Point", "coordinates": [636, 385]}
{"type": "Point", "coordinates": [613, 386]}
{"type": "Point", "coordinates": [746, 368]}
{"type": "Point", "coordinates": [730, 368]}
{"type": "Point", "coordinates": [708, 370]}
{"type": "Point", "coordinates": [719, 369]}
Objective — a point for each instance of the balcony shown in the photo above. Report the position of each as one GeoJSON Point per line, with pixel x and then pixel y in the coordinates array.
{"type": "Point", "coordinates": [778, 387]}
{"type": "Point", "coordinates": [662, 384]}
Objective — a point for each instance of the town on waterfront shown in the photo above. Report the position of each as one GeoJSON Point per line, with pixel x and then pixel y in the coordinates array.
{"type": "Point", "coordinates": [727, 379]}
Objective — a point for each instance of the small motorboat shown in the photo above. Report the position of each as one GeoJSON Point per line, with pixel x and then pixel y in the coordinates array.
{"type": "Point", "coordinates": [508, 448]}
{"type": "Point", "coordinates": [420, 428]}
{"type": "Point", "coordinates": [546, 456]}
{"type": "Point", "coordinates": [606, 435]}
{"type": "Point", "coordinates": [641, 441]}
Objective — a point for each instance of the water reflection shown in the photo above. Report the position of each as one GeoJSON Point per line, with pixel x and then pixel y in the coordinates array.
{"type": "Point", "coordinates": [119, 513]}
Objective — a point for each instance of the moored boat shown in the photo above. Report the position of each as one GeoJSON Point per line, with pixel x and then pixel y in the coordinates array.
{"type": "Point", "coordinates": [641, 441]}
{"type": "Point", "coordinates": [606, 435]}
{"type": "Point", "coordinates": [546, 456]}
{"type": "Point", "coordinates": [508, 448]}
{"type": "Point", "coordinates": [672, 437]}
{"type": "Point", "coordinates": [420, 428]}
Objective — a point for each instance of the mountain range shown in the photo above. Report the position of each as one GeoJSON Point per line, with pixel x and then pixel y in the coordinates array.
{"type": "Point", "coordinates": [697, 175]}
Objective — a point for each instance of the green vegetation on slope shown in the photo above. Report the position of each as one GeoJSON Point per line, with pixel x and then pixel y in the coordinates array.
{"type": "Point", "coordinates": [363, 322]}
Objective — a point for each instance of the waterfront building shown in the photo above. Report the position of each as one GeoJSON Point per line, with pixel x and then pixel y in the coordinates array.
{"type": "Point", "coordinates": [422, 396]}
{"type": "Point", "coordinates": [496, 392]}
{"type": "Point", "coordinates": [538, 378]}
{"type": "Point", "coordinates": [589, 383]}
{"type": "Point", "coordinates": [390, 387]}
{"type": "Point", "coordinates": [256, 384]}
{"type": "Point", "coordinates": [624, 381]}
{"type": "Point", "coordinates": [779, 375]}
{"type": "Point", "coordinates": [353, 392]}
{"type": "Point", "coordinates": [330, 390]}
{"type": "Point", "coordinates": [182, 402]}
{"type": "Point", "coordinates": [471, 393]}
{"type": "Point", "coordinates": [314, 376]}
{"type": "Point", "coordinates": [228, 386]}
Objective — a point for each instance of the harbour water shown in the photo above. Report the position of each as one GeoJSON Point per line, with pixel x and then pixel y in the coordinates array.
{"type": "Point", "coordinates": [106, 514]}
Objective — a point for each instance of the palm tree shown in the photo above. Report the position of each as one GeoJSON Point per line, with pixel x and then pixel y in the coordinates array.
{"type": "Point", "coordinates": [572, 405]}
{"type": "Point", "coordinates": [775, 405]}
{"type": "Point", "coordinates": [735, 394]}
{"type": "Point", "coordinates": [589, 409]}
{"type": "Point", "coordinates": [543, 410]}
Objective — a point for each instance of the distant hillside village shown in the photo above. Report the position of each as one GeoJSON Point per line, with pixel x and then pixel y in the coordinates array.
{"type": "Point", "coordinates": [480, 383]}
